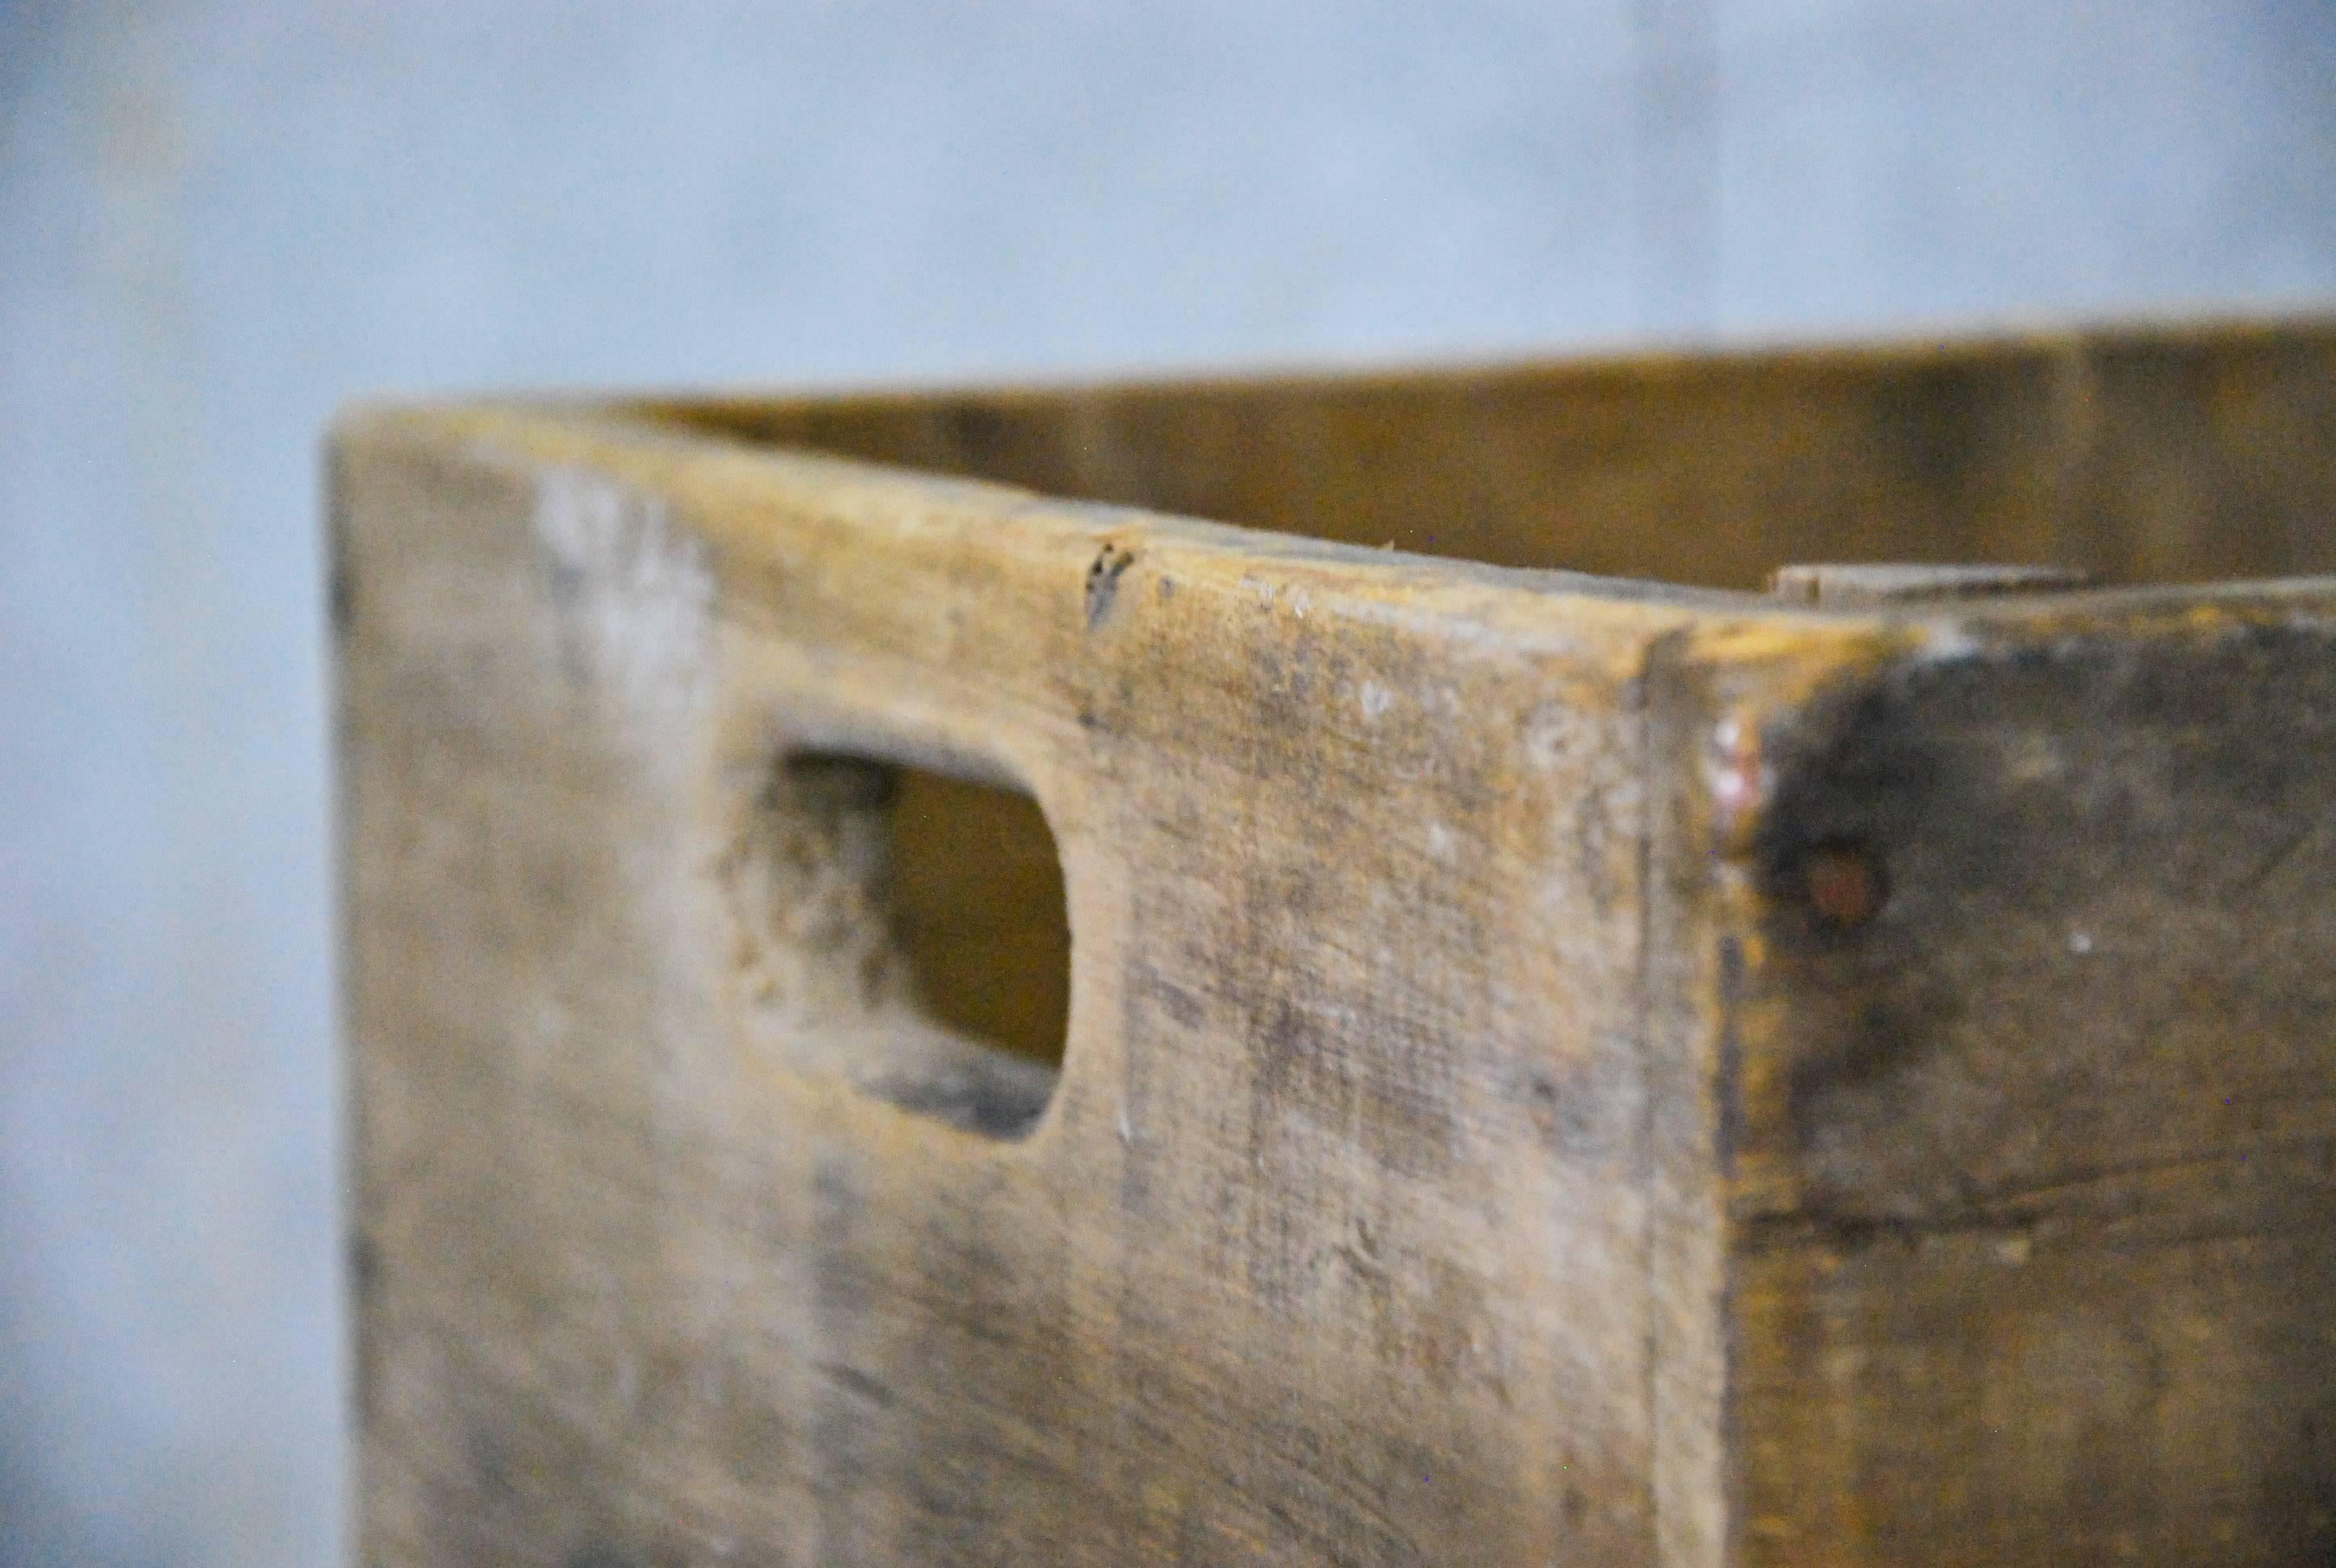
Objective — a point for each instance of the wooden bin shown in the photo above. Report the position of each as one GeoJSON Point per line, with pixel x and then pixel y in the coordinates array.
{"type": "Point", "coordinates": [1572, 1058]}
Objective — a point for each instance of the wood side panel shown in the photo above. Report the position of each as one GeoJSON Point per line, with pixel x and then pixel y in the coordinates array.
{"type": "Point", "coordinates": [1335, 1242]}
{"type": "Point", "coordinates": [2033, 1216]}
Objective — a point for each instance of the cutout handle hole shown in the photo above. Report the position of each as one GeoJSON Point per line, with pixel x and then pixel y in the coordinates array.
{"type": "Point", "coordinates": [907, 930]}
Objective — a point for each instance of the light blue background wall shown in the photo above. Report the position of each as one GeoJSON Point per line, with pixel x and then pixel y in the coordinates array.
{"type": "Point", "coordinates": [219, 219]}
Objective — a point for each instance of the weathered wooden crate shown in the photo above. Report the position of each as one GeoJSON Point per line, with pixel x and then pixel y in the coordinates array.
{"type": "Point", "coordinates": [1559, 1068]}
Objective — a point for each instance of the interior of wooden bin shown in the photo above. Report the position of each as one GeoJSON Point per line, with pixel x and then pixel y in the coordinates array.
{"type": "Point", "coordinates": [2144, 456]}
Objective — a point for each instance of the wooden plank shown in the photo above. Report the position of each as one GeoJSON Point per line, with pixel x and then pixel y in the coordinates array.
{"type": "Point", "coordinates": [2020, 944]}
{"type": "Point", "coordinates": [1556, 1068]}
{"type": "Point", "coordinates": [1334, 1186]}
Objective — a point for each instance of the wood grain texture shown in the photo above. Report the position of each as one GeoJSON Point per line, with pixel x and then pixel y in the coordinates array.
{"type": "Point", "coordinates": [1557, 1069]}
